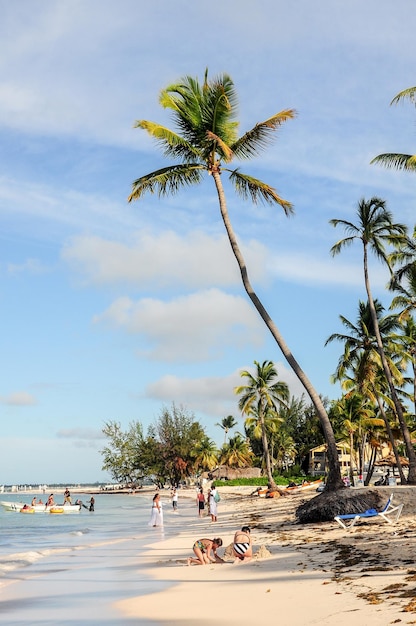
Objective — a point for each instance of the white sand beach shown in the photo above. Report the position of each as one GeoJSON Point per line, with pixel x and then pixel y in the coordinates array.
{"type": "Point", "coordinates": [300, 575]}
{"type": "Point", "coordinates": [313, 574]}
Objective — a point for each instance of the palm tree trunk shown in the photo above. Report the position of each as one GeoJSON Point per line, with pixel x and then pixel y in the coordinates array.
{"type": "Point", "coordinates": [266, 452]}
{"type": "Point", "coordinates": [351, 451]}
{"type": "Point", "coordinates": [391, 439]}
{"type": "Point", "coordinates": [334, 480]}
{"type": "Point", "coordinates": [370, 467]}
{"type": "Point", "coordinates": [411, 479]}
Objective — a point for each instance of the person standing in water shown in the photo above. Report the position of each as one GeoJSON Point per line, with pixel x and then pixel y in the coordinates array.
{"type": "Point", "coordinates": [174, 496]}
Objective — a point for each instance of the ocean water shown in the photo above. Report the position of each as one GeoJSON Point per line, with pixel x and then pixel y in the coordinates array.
{"type": "Point", "coordinates": [71, 568]}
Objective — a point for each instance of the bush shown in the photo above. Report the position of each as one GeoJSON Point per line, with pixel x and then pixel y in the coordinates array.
{"type": "Point", "coordinates": [280, 480]}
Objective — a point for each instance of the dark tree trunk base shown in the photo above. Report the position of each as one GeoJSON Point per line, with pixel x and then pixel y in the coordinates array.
{"type": "Point", "coordinates": [325, 506]}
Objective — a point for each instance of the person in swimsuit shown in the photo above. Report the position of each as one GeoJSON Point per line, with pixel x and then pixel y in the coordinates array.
{"type": "Point", "coordinates": [51, 501]}
{"type": "Point", "coordinates": [200, 500]}
{"type": "Point", "coordinates": [242, 545]}
{"type": "Point", "coordinates": [206, 551]}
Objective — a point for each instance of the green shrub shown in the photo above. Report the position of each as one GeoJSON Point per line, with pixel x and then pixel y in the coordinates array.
{"type": "Point", "coordinates": [280, 480]}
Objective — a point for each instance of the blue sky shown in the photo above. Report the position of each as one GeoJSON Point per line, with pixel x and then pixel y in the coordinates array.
{"type": "Point", "coordinates": [111, 310]}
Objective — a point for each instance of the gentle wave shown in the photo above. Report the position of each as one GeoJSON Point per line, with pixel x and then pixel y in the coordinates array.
{"type": "Point", "coordinates": [20, 559]}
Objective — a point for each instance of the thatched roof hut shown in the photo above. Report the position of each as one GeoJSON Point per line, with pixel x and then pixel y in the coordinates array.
{"type": "Point", "coordinates": [223, 472]}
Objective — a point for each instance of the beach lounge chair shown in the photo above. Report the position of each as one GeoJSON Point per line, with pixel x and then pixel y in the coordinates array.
{"type": "Point", "coordinates": [389, 514]}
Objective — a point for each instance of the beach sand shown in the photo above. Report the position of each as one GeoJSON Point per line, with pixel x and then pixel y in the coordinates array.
{"type": "Point", "coordinates": [300, 575]}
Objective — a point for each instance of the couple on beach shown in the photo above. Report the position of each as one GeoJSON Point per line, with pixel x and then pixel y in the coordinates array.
{"type": "Point", "coordinates": [212, 499]}
{"type": "Point", "coordinates": [205, 550]}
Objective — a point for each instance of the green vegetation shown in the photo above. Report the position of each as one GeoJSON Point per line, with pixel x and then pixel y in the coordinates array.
{"type": "Point", "coordinates": [278, 480]}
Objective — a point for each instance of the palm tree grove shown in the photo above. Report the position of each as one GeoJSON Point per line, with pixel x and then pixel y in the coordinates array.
{"type": "Point", "coordinates": [272, 430]}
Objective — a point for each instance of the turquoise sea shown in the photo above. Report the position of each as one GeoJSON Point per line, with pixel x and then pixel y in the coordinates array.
{"type": "Point", "coordinates": [72, 568]}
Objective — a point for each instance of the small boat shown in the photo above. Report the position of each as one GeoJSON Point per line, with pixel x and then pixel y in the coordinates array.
{"type": "Point", "coordinates": [41, 508]}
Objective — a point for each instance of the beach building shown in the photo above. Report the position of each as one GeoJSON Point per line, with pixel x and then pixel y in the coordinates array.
{"type": "Point", "coordinates": [317, 464]}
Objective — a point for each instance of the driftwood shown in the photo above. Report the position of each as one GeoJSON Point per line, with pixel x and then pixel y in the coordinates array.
{"type": "Point", "coordinates": [325, 506]}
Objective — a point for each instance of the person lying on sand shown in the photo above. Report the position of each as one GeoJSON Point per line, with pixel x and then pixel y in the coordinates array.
{"type": "Point", "coordinates": [206, 551]}
{"type": "Point", "coordinates": [242, 546]}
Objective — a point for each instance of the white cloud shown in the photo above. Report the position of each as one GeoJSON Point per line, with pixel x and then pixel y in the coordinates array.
{"type": "Point", "coordinates": [80, 434]}
{"type": "Point", "coordinates": [81, 76]}
{"type": "Point", "coordinates": [212, 395]}
{"type": "Point", "coordinates": [45, 207]}
{"type": "Point", "coordinates": [304, 269]}
{"type": "Point", "coordinates": [30, 266]}
{"type": "Point", "coordinates": [163, 260]}
{"type": "Point", "coordinates": [18, 398]}
{"type": "Point", "coordinates": [211, 320]}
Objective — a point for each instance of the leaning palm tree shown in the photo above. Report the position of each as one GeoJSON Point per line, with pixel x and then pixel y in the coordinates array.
{"type": "Point", "coordinates": [206, 142]}
{"type": "Point", "coordinates": [263, 392]}
{"type": "Point", "coordinates": [396, 160]}
{"type": "Point", "coordinates": [375, 227]}
{"type": "Point", "coordinates": [226, 424]}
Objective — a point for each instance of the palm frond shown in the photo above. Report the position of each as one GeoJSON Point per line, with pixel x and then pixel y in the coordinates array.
{"type": "Point", "coordinates": [167, 180]}
{"type": "Point", "coordinates": [197, 109]}
{"type": "Point", "coordinates": [409, 93]}
{"type": "Point", "coordinates": [342, 243]}
{"type": "Point", "coordinates": [225, 150]}
{"type": "Point", "coordinates": [261, 135]}
{"type": "Point", "coordinates": [406, 162]}
{"type": "Point", "coordinates": [173, 145]}
{"type": "Point", "coordinates": [249, 187]}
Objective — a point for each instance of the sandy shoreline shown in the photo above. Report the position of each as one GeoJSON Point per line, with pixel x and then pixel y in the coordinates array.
{"type": "Point", "coordinates": [314, 574]}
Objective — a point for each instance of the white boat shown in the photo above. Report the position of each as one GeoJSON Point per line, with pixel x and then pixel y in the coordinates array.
{"type": "Point", "coordinates": [24, 507]}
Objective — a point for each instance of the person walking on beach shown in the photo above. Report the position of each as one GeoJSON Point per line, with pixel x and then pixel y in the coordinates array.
{"type": "Point", "coordinates": [213, 499]}
{"type": "Point", "coordinates": [156, 518]}
{"type": "Point", "coordinates": [205, 551]}
{"type": "Point", "coordinates": [200, 501]}
{"type": "Point", "coordinates": [242, 545]}
{"type": "Point", "coordinates": [174, 496]}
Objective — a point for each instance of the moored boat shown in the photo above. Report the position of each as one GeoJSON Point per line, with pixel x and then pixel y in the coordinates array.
{"type": "Point", "coordinates": [40, 508]}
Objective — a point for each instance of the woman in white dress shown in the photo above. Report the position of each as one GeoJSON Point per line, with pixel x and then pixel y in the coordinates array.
{"type": "Point", "coordinates": [156, 518]}
{"type": "Point", "coordinates": [212, 504]}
